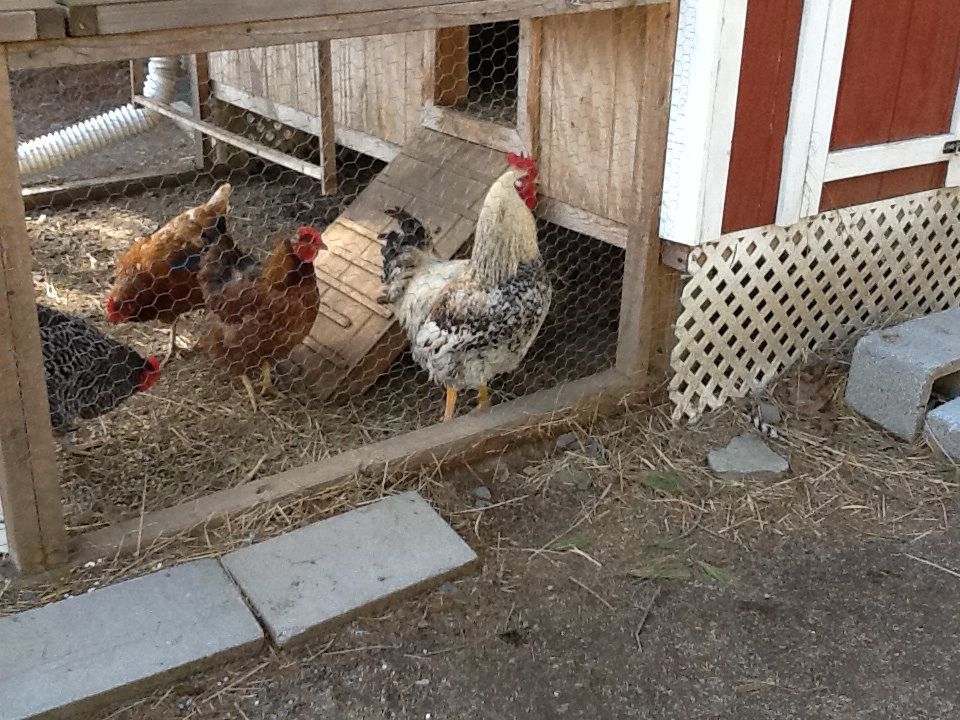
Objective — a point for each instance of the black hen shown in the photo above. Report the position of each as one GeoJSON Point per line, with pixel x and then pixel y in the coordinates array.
{"type": "Point", "coordinates": [88, 374]}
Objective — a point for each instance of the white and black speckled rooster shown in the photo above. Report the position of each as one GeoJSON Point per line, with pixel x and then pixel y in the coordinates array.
{"type": "Point", "coordinates": [471, 320]}
{"type": "Point", "coordinates": [88, 374]}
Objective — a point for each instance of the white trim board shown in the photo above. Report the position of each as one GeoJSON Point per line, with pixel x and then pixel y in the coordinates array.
{"type": "Point", "coordinates": [870, 159]}
{"type": "Point", "coordinates": [703, 104]}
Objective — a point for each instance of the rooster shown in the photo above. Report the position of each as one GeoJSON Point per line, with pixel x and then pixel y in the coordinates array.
{"type": "Point", "coordinates": [470, 320]}
{"type": "Point", "coordinates": [88, 374]}
{"type": "Point", "coordinates": [156, 277]}
{"type": "Point", "coordinates": [257, 315]}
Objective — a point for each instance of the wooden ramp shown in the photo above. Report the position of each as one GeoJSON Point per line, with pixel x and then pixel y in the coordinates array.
{"type": "Point", "coordinates": [437, 178]}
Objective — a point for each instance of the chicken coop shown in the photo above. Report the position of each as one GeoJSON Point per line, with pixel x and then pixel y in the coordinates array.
{"type": "Point", "coordinates": [811, 179]}
{"type": "Point", "coordinates": [148, 133]}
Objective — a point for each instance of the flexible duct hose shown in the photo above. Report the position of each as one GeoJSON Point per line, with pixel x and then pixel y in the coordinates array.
{"type": "Point", "coordinates": [56, 148]}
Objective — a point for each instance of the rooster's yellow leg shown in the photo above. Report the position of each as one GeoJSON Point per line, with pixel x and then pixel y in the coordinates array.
{"type": "Point", "coordinates": [483, 398]}
{"type": "Point", "coordinates": [266, 382]}
{"type": "Point", "coordinates": [249, 388]}
{"type": "Point", "coordinates": [451, 404]}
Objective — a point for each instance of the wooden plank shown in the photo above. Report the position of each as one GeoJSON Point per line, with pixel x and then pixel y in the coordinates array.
{"type": "Point", "coordinates": [16, 25]}
{"type": "Point", "coordinates": [275, 156]}
{"type": "Point", "coordinates": [897, 155]}
{"type": "Point", "coordinates": [324, 90]}
{"type": "Point", "coordinates": [459, 441]}
{"type": "Point", "coordinates": [227, 36]}
{"type": "Point", "coordinates": [763, 106]}
{"type": "Point", "coordinates": [529, 76]}
{"type": "Point", "coordinates": [582, 221]}
{"type": "Point", "coordinates": [64, 194]}
{"type": "Point", "coordinates": [31, 20]}
{"type": "Point", "coordinates": [880, 186]}
{"type": "Point", "coordinates": [804, 117]}
{"type": "Point", "coordinates": [459, 125]}
{"type": "Point", "coordinates": [366, 143]}
{"type": "Point", "coordinates": [451, 61]}
{"type": "Point", "coordinates": [646, 310]}
{"type": "Point", "coordinates": [29, 484]}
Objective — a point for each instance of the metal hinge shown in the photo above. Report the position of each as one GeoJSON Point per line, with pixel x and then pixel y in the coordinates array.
{"type": "Point", "coordinates": [951, 147]}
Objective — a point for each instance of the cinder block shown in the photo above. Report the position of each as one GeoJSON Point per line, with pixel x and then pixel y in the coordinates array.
{"type": "Point", "coordinates": [314, 578]}
{"type": "Point", "coordinates": [67, 658]}
{"type": "Point", "coordinates": [943, 428]}
{"type": "Point", "coordinates": [893, 370]}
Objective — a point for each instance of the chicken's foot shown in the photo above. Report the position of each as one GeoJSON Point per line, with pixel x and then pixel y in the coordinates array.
{"type": "Point", "coordinates": [483, 398]}
{"type": "Point", "coordinates": [249, 388]}
{"type": "Point", "coordinates": [266, 382]}
{"type": "Point", "coordinates": [172, 344]}
{"type": "Point", "coordinates": [451, 404]}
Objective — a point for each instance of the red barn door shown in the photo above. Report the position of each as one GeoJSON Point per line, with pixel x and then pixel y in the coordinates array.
{"type": "Point", "coordinates": [883, 84]}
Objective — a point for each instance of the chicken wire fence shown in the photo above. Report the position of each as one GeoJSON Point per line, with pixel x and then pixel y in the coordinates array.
{"type": "Point", "coordinates": [211, 300]}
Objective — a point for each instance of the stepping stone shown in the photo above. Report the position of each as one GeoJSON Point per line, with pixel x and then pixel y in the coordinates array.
{"type": "Point", "coordinates": [746, 455]}
{"type": "Point", "coordinates": [309, 580]}
{"type": "Point", "coordinates": [893, 370]}
{"type": "Point", "coordinates": [67, 658]}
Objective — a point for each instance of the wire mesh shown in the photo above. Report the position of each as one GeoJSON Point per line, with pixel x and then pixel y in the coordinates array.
{"type": "Point", "coordinates": [134, 236]}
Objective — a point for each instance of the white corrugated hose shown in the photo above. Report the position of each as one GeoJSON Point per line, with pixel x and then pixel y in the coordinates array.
{"type": "Point", "coordinates": [56, 148]}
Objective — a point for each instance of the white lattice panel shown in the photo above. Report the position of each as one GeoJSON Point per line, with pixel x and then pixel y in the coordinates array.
{"type": "Point", "coordinates": [760, 300]}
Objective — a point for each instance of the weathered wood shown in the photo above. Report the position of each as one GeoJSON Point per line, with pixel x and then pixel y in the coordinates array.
{"type": "Point", "coordinates": [328, 147]}
{"type": "Point", "coordinates": [366, 143]}
{"type": "Point", "coordinates": [462, 440]}
{"type": "Point", "coordinates": [451, 63]}
{"type": "Point", "coordinates": [643, 314]}
{"type": "Point", "coordinates": [199, 69]}
{"type": "Point", "coordinates": [582, 221]}
{"type": "Point", "coordinates": [68, 193]}
{"type": "Point", "coordinates": [254, 148]}
{"type": "Point", "coordinates": [529, 73]}
{"type": "Point", "coordinates": [29, 485]}
{"type": "Point", "coordinates": [226, 35]}
{"type": "Point", "coordinates": [31, 20]}
{"type": "Point", "coordinates": [482, 132]}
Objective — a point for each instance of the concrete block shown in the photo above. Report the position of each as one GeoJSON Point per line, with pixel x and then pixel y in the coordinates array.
{"type": "Point", "coordinates": [893, 370]}
{"type": "Point", "coordinates": [65, 659]}
{"type": "Point", "coordinates": [304, 582]}
{"type": "Point", "coordinates": [943, 429]}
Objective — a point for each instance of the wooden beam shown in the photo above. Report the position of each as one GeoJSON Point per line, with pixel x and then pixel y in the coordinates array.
{"type": "Point", "coordinates": [464, 439]}
{"type": "Point", "coordinates": [226, 35]}
{"type": "Point", "coordinates": [29, 486]}
{"type": "Point", "coordinates": [68, 193]}
{"type": "Point", "coordinates": [198, 69]}
{"type": "Point", "coordinates": [582, 221]}
{"type": "Point", "coordinates": [328, 147]}
{"type": "Point", "coordinates": [31, 20]}
{"type": "Point", "coordinates": [643, 316]}
{"type": "Point", "coordinates": [460, 125]}
{"type": "Point", "coordinates": [254, 148]}
{"type": "Point", "coordinates": [529, 72]}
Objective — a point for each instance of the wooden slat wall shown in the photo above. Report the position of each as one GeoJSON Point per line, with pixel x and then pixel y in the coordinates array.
{"type": "Point", "coordinates": [378, 84]}
{"type": "Point", "coordinates": [377, 81]}
{"type": "Point", "coordinates": [592, 75]}
{"type": "Point", "coordinates": [901, 68]}
{"type": "Point", "coordinates": [763, 109]}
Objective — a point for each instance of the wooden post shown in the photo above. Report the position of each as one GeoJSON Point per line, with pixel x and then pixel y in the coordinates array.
{"type": "Point", "coordinates": [29, 486]}
{"type": "Point", "coordinates": [328, 147]}
{"type": "Point", "coordinates": [197, 66]}
{"type": "Point", "coordinates": [646, 312]}
{"type": "Point", "coordinates": [529, 72]}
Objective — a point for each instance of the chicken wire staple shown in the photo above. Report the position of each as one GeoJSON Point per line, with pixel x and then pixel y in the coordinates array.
{"type": "Point", "coordinates": [195, 430]}
{"type": "Point", "coordinates": [762, 300]}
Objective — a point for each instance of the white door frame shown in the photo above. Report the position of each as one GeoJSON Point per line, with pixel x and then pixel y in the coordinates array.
{"type": "Point", "coordinates": [808, 162]}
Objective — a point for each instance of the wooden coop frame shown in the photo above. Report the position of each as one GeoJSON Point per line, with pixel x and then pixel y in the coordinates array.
{"type": "Point", "coordinates": [42, 33]}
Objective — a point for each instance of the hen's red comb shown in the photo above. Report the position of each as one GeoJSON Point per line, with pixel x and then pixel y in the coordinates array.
{"type": "Point", "coordinates": [310, 235]}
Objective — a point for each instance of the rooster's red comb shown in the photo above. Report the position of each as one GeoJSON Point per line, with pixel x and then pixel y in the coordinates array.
{"type": "Point", "coordinates": [522, 162]}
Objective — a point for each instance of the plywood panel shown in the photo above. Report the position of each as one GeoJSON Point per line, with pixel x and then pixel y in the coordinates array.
{"type": "Point", "coordinates": [592, 77]}
{"type": "Point", "coordinates": [900, 70]}
{"type": "Point", "coordinates": [880, 186]}
{"type": "Point", "coordinates": [763, 109]}
{"type": "Point", "coordinates": [377, 84]}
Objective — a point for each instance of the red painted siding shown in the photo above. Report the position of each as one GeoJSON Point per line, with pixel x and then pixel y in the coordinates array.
{"type": "Point", "coordinates": [870, 188]}
{"type": "Point", "coordinates": [900, 71]}
{"type": "Point", "coordinates": [763, 108]}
